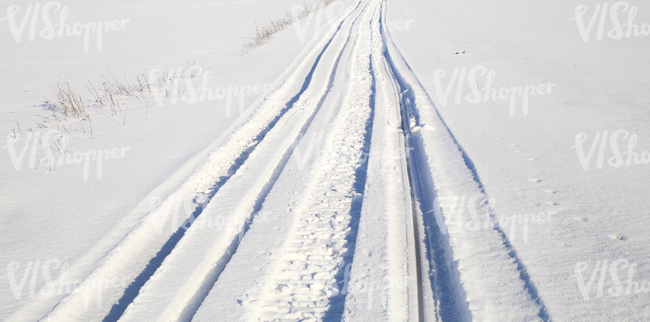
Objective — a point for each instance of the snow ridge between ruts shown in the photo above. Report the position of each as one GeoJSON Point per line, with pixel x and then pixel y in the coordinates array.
{"type": "Point", "coordinates": [189, 273]}
{"type": "Point", "coordinates": [130, 256]}
{"type": "Point", "coordinates": [383, 279]}
{"type": "Point", "coordinates": [481, 273]}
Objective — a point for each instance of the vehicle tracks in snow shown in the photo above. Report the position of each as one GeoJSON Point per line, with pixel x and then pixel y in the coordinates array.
{"type": "Point", "coordinates": [321, 244]}
{"type": "Point", "coordinates": [356, 186]}
{"type": "Point", "coordinates": [188, 274]}
{"type": "Point", "coordinates": [352, 234]}
{"type": "Point", "coordinates": [146, 245]}
{"type": "Point", "coordinates": [475, 273]}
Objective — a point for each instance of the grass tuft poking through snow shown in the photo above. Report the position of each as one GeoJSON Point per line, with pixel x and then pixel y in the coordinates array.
{"type": "Point", "coordinates": [265, 31]}
{"type": "Point", "coordinates": [69, 100]}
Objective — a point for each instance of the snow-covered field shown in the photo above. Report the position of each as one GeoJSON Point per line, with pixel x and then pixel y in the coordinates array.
{"type": "Point", "coordinates": [374, 160]}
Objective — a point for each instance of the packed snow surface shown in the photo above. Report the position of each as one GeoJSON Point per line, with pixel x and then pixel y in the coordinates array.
{"type": "Point", "coordinates": [354, 160]}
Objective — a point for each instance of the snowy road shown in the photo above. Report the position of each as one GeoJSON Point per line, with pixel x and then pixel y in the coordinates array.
{"type": "Point", "coordinates": [319, 160]}
{"type": "Point", "coordinates": [322, 206]}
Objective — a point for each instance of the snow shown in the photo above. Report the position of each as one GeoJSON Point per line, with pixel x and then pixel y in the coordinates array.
{"type": "Point", "coordinates": [376, 161]}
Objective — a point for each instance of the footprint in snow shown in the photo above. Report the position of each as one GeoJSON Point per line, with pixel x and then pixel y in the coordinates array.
{"type": "Point", "coordinates": [616, 237]}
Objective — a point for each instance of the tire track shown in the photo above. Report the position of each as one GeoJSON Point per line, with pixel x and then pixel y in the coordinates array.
{"type": "Point", "coordinates": [160, 230]}
{"type": "Point", "coordinates": [312, 270]}
{"type": "Point", "coordinates": [390, 265]}
{"type": "Point", "coordinates": [432, 248]}
{"type": "Point", "coordinates": [321, 259]}
{"type": "Point", "coordinates": [309, 279]}
{"type": "Point", "coordinates": [199, 266]}
{"type": "Point", "coordinates": [312, 277]}
{"type": "Point", "coordinates": [437, 163]}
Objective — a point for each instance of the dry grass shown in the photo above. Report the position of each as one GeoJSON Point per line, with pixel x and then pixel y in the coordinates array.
{"type": "Point", "coordinates": [106, 97]}
{"type": "Point", "coordinates": [69, 101]}
{"type": "Point", "coordinates": [70, 109]}
{"type": "Point", "coordinates": [265, 31]}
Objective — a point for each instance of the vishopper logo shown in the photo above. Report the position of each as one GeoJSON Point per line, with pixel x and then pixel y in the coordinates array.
{"type": "Point", "coordinates": [489, 91]}
{"type": "Point", "coordinates": [52, 274]}
{"type": "Point", "coordinates": [316, 21]}
{"type": "Point", "coordinates": [49, 32]}
{"type": "Point", "coordinates": [618, 159]}
{"type": "Point", "coordinates": [321, 277]}
{"type": "Point", "coordinates": [617, 32]}
{"type": "Point", "coordinates": [301, 27]}
{"type": "Point", "coordinates": [312, 155]}
{"type": "Point", "coordinates": [377, 289]}
{"type": "Point", "coordinates": [629, 285]}
{"type": "Point", "coordinates": [179, 82]}
{"type": "Point", "coordinates": [399, 25]}
{"type": "Point", "coordinates": [307, 157]}
{"type": "Point", "coordinates": [183, 212]}
{"type": "Point", "coordinates": [58, 148]}
{"type": "Point", "coordinates": [447, 210]}
{"type": "Point", "coordinates": [324, 270]}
